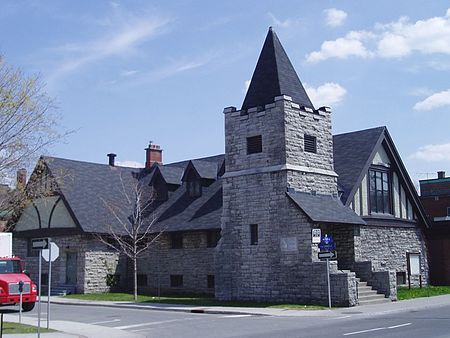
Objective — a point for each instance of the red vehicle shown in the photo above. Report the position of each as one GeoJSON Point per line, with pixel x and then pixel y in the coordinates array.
{"type": "Point", "coordinates": [11, 274]}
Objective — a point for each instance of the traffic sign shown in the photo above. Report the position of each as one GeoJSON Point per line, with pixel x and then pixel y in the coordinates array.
{"type": "Point", "coordinates": [327, 243]}
{"type": "Point", "coordinates": [327, 255]}
{"type": "Point", "coordinates": [316, 234]}
{"type": "Point", "coordinates": [39, 243]}
{"type": "Point", "coordinates": [54, 252]}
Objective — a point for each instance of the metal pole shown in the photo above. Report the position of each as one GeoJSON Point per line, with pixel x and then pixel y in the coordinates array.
{"type": "Point", "coordinates": [20, 307]}
{"type": "Point", "coordinates": [49, 282]}
{"type": "Point", "coordinates": [1, 325]}
{"type": "Point", "coordinates": [328, 282]}
{"type": "Point", "coordinates": [39, 294]}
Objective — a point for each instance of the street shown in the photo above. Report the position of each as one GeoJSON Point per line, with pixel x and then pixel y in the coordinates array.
{"type": "Point", "coordinates": [351, 322]}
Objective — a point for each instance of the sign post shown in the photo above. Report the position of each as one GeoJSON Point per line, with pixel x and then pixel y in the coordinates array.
{"type": "Point", "coordinates": [20, 301]}
{"type": "Point", "coordinates": [50, 255]}
{"type": "Point", "coordinates": [39, 244]}
{"type": "Point", "coordinates": [327, 252]}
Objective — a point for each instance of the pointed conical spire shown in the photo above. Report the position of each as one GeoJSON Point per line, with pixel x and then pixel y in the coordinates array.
{"type": "Point", "coordinates": [274, 75]}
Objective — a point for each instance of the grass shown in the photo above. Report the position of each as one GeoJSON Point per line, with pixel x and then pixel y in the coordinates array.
{"type": "Point", "coordinates": [405, 293]}
{"type": "Point", "coordinates": [11, 328]}
{"type": "Point", "coordinates": [189, 300]}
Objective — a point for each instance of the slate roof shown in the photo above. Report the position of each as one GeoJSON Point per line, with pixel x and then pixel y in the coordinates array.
{"type": "Point", "coordinates": [274, 75]}
{"type": "Point", "coordinates": [334, 212]}
{"type": "Point", "coordinates": [351, 152]}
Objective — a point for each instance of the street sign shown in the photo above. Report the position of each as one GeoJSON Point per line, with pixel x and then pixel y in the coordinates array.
{"type": "Point", "coordinates": [327, 255]}
{"type": "Point", "coordinates": [316, 234]}
{"type": "Point", "coordinates": [39, 243]}
{"type": "Point", "coordinates": [54, 252]}
{"type": "Point", "coordinates": [327, 243]}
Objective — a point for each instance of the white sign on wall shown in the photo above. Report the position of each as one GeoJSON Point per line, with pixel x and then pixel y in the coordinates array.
{"type": "Point", "coordinates": [414, 263]}
{"type": "Point", "coordinates": [316, 235]}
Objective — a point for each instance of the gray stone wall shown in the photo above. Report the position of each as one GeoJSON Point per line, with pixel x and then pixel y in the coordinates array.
{"type": "Point", "coordinates": [94, 262]}
{"type": "Point", "coordinates": [386, 248]}
{"type": "Point", "coordinates": [195, 261]}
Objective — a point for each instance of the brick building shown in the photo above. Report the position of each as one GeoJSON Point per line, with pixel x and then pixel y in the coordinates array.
{"type": "Point", "coordinates": [435, 196]}
{"type": "Point", "coordinates": [239, 225]}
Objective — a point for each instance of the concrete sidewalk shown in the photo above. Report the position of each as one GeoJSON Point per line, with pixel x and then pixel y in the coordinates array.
{"type": "Point", "coordinates": [73, 329]}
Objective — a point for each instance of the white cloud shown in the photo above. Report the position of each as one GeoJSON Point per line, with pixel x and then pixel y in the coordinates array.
{"type": "Point", "coordinates": [328, 94]}
{"type": "Point", "coordinates": [334, 17]}
{"type": "Point", "coordinates": [123, 38]}
{"type": "Point", "coordinates": [392, 40]}
{"type": "Point", "coordinates": [421, 91]}
{"type": "Point", "coordinates": [432, 153]}
{"type": "Point", "coordinates": [127, 73]}
{"type": "Point", "coordinates": [130, 164]}
{"type": "Point", "coordinates": [287, 23]}
{"type": "Point", "coordinates": [433, 101]}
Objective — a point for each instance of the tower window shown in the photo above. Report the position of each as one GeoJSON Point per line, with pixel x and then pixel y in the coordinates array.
{"type": "Point", "coordinates": [254, 144]}
{"type": "Point", "coordinates": [210, 282]}
{"type": "Point", "coordinates": [310, 143]}
{"type": "Point", "coordinates": [176, 281]}
{"type": "Point", "coordinates": [253, 234]}
{"type": "Point", "coordinates": [176, 240]}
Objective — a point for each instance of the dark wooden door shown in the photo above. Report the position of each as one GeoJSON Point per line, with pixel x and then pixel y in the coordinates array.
{"type": "Point", "coordinates": [71, 268]}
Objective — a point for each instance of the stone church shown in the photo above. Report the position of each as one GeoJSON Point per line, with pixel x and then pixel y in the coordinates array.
{"type": "Point", "coordinates": [239, 225]}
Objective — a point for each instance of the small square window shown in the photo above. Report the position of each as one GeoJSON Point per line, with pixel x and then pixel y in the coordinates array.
{"type": "Point", "coordinates": [142, 280]}
{"type": "Point", "coordinates": [401, 278]}
{"type": "Point", "coordinates": [253, 234]}
{"type": "Point", "coordinates": [212, 238]}
{"type": "Point", "coordinates": [176, 281]}
{"type": "Point", "coordinates": [310, 143]}
{"type": "Point", "coordinates": [254, 144]}
{"type": "Point", "coordinates": [176, 240]}
{"type": "Point", "coordinates": [210, 282]}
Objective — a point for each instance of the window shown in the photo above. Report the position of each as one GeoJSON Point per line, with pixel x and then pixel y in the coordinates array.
{"type": "Point", "coordinates": [310, 143]}
{"type": "Point", "coordinates": [142, 280]}
{"type": "Point", "coordinates": [176, 240]}
{"type": "Point", "coordinates": [253, 234]}
{"type": "Point", "coordinates": [210, 282]}
{"type": "Point", "coordinates": [212, 238]}
{"type": "Point", "coordinates": [401, 278]}
{"type": "Point", "coordinates": [254, 144]}
{"type": "Point", "coordinates": [380, 201]}
{"type": "Point", "coordinates": [176, 281]}
{"type": "Point", "coordinates": [194, 188]}
{"type": "Point", "coordinates": [448, 211]}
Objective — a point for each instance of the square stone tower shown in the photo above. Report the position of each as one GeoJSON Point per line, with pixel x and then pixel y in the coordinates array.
{"type": "Point", "coordinates": [276, 142]}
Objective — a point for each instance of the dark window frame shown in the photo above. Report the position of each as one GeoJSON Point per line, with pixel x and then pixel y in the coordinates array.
{"type": "Point", "coordinates": [448, 211]}
{"type": "Point", "coordinates": [176, 281]}
{"type": "Point", "coordinates": [142, 280]}
{"type": "Point", "coordinates": [380, 190]}
{"type": "Point", "coordinates": [254, 144]}
{"type": "Point", "coordinates": [310, 143]}
{"type": "Point", "coordinates": [176, 240]}
{"type": "Point", "coordinates": [254, 234]}
{"type": "Point", "coordinates": [210, 281]}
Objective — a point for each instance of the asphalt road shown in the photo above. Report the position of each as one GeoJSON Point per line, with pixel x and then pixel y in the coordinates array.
{"type": "Point", "coordinates": [434, 322]}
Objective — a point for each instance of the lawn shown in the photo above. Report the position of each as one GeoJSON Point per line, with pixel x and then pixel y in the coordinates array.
{"type": "Point", "coordinates": [405, 293]}
{"type": "Point", "coordinates": [10, 328]}
{"type": "Point", "coordinates": [189, 300]}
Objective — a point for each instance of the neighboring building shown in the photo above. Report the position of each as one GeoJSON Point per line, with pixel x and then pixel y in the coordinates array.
{"type": "Point", "coordinates": [239, 225]}
{"type": "Point", "coordinates": [435, 196]}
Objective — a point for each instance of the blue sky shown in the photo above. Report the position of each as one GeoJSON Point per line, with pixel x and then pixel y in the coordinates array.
{"type": "Point", "coordinates": [126, 73]}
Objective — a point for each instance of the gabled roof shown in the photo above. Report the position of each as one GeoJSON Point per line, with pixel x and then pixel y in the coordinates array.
{"type": "Point", "coordinates": [274, 75]}
{"type": "Point", "coordinates": [351, 153]}
{"type": "Point", "coordinates": [334, 212]}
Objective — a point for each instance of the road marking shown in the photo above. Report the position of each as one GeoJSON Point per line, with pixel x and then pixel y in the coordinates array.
{"type": "Point", "coordinates": [343, 317]}
{"type": "Point", "coordinates": [377, 329]}
{"type": "Point", "coordinates": [236, 316]}
{"type": "Point", "coordinates": [106, 321]}
{"type": "Point", "coordinates": [401, 325]}
{"type": "Point", "coordinates": [149, 324]}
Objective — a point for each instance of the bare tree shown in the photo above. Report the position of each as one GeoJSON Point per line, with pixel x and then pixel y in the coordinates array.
{"type": "Point", "coordinates": [130, 230]}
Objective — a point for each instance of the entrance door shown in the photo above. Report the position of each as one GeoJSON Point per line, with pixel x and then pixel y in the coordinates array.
{"type": "Point", "coordinates": [71, 268]}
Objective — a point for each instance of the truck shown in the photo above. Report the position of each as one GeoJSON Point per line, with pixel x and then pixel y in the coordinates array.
{"type": "Point", "coordinates": [13, 278]}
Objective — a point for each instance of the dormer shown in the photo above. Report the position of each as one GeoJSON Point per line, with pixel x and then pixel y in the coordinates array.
{"type": "Point", "coordinates": [159, 186]}
{"type": "Point", "coordinates": [192, 181]}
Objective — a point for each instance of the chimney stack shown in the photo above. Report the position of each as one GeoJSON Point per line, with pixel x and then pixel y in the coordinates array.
{"type": "Point", "coordinates": [21, 178]}
{"type": "Point", "coordinates": [441, 174]}
{"type": "Point", "coordinates": [153, 155]}
{"type": "Point", "coordinates": [111, 157]}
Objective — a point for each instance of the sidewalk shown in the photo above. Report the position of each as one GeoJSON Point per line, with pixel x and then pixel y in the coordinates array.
{"type": "Point", "coordinates": [73, 329]}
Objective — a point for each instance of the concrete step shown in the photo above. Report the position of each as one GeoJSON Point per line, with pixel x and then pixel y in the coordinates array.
{"type": "Point", "coordinates": [370, 297]}
{"type": "Point", "coordinates": [374, 301]}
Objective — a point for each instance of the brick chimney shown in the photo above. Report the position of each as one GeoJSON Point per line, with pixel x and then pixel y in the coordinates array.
{"type": "Point", "coordinates": [111, 159]}
{"type": "Point", "coordinates": [21, 178]}
{"type": "Point", "coordinates": [153, 155]}
{"type": "Point", "coordinates": [441, 174]}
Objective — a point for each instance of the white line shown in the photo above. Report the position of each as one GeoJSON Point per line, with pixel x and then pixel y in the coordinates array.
{"type": "Point", "coordinates": [148, 324]}
{"type": "Point", "coordinates": [401, 325]}
{"type": "Point", "coordinates": [236, 316]}
{"type": "Point", "coordinates": [364, 331]}
{"type": "Point", "coordinates": [343, 317]}
{"type": "Point", "coordinates": [106, 321]}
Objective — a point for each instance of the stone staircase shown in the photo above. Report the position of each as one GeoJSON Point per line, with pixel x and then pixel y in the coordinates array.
{"type": "Point", "coordinates": [60, 290]}
{"type": "Point", "coordinates": [369, 296]}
